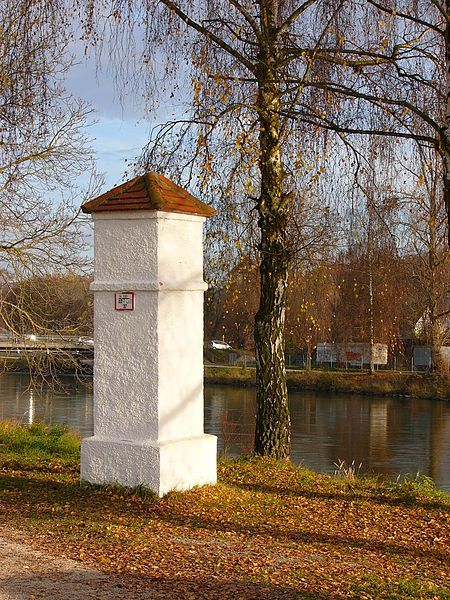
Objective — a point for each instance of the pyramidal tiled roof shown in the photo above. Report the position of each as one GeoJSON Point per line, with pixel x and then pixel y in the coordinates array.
{"type": "Point", "coordinates": [149, 192]}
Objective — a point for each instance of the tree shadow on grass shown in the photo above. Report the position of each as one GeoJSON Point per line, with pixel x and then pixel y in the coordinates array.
{"type": "Point", "coordinates": [306, 537]}
{"type": "Point", "coordinates": [73, 584]}
{"type": "Point", "coordinates": [349, 495]}
{"type": "Point", "coordinates": [34, 498]}
{"type": "Point", "coordinates": [25, 490]}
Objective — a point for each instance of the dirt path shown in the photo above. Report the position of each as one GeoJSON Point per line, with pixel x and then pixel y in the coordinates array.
{"type": "Point", "coordinates": [30, 574]}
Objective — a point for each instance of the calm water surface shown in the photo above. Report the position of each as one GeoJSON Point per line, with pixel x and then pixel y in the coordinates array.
{"type": "Point", "coordinates": [386, 435]}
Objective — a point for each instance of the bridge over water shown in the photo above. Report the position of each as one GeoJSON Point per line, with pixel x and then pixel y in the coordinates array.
{"type": "Point", "coordinates": [11, 346]}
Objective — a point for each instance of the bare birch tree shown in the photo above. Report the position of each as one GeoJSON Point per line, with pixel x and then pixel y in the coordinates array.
{"type": "Point", "coordinates": [265, 78]}
{"type": "Point", "coordinates": [43, 152]}
{"type": "Point", "coordinates": [430, 268]}
{"type": "Point", "coordinates": [391, 80]}
{"type": "Point", "coordinates": [238, 140]}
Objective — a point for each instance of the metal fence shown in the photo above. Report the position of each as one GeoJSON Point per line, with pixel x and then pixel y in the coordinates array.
{"type": "Point", "coordinates": [419, 360]}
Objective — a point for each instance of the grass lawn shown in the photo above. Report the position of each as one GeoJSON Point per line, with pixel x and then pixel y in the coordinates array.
{"type": "Point", "coordinates": [267, 530]}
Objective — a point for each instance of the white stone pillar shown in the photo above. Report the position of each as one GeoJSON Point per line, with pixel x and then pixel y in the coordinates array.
{"type": "Point", "coordinates": [148, 367]}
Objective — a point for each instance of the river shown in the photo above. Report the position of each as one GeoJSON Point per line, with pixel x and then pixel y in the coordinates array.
{"type": "Point", "coordinates": [391, 436]}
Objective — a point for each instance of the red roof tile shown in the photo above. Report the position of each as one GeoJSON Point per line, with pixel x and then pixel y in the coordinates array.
{"type": "Point", "coordinates": [149, 192]}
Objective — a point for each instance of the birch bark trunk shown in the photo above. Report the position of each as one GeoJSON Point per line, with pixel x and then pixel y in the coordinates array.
{"type": "Point", "coordinates": [308, 355]}
{"type": "Point", "coordinates": [433, 291]}
{"type": "Point", "coordinates": [273, 428]}
{"type": "Point", "coordinates": [445, 138]}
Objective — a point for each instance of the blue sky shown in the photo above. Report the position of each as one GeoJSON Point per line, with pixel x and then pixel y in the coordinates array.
{"type": "Point", "coordinates": [123, 125]}
{"type": "Point", "coordinates": [120, 132]}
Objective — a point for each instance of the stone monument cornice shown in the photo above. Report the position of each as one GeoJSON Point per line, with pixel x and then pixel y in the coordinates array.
{"type": "Point", "coordinates": [148, 286]}
{"type": "Point", "coordinates": [151, 191]}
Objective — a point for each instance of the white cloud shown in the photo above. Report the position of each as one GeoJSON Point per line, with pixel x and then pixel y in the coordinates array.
{"type": "Point", "coordinates": [117, 141]}
{"type": "Point", "coordinates": [123, 127]}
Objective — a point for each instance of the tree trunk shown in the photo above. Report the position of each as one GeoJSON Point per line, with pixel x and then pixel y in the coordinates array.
{"type": "Point", "coordinates": [308, 355]}
{"type": "Point", "coordinates": [437, 362]}
{"type": "Point", "coordinates": [371, 303]}
{"type": "Point", "coordinates": [434, 333]}
{"type": "Point", "coordinates": [273, 428]}
{"type": "Point", "coordinates": [371, 320]}
{"type": "Point", "coordinates": [445, 138]}
{"type": "Point", "coordinates": [272, 433]}
{"type": "Point", "coordinates": [446, 171]}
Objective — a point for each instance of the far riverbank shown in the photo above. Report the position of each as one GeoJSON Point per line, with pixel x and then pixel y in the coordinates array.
{"type": "Point", "coordinates": [429, 386]}
{"type": "Point", "coordinates": [382, 383]}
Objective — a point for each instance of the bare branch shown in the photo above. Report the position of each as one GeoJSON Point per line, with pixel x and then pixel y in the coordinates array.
{"type": "Point", "coordinates": [248, 17]}
{"type": "Point", "coordinates": [295, 15]}
{"type": "Point", "coordinates": [408, 17]}
{"type": "Point", "coordinates": [208, 34]}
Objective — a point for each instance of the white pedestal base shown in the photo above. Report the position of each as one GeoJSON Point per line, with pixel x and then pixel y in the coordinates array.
{"type": "Point", "coordinates": [161, 467]}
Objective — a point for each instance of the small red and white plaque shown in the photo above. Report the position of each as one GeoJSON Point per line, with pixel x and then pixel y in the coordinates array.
{"type": "Point", "coordinates": [124, 300]}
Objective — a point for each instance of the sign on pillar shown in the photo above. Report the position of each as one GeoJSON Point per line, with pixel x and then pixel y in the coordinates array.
{"type": "Point", "coordinates": [148, 334]}
{"type": "Point", "coordinates": [124, 300]}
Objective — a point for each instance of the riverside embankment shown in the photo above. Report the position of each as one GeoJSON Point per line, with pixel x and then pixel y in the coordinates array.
{"type": "Point", "coordinates": [381, 383]}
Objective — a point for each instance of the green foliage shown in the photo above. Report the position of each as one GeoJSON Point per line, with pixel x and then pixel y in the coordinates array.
{"type": "Point", "coordinates": [402, 589]}
{"type": "Point", "coordinates": [410, 490]}
{"type": "Point", "coordinates": [38, 443]}
{"type": "Point", "coordinates": [32, 446]}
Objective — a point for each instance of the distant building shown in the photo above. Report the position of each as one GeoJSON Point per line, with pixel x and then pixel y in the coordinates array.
{"type": "Point", "coordinates": [422, 357]}
{"type": "Point", "coordinates": [351, 353]}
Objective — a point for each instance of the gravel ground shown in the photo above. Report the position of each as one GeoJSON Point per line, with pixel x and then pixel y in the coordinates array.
{"type": "Point", "coordinates": [30, 574]}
